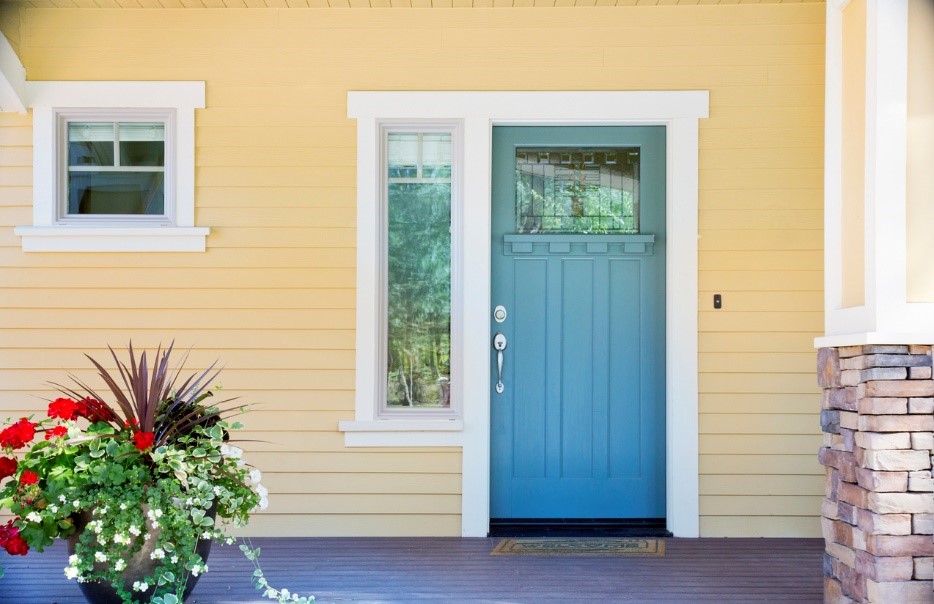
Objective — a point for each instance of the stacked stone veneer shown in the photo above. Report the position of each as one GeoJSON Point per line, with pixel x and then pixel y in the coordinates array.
{"type": "Point", "coordinates": [878, 515]}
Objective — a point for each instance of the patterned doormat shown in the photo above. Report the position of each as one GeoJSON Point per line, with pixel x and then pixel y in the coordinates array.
{"type": "Point", "coordinates": [579, 547]}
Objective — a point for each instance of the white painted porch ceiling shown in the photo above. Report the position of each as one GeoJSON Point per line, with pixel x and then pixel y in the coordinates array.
{"type": "Point", "coordinates": [373, 3]}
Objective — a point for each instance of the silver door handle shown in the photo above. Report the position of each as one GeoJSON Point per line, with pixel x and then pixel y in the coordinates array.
{"type": "Point", "coordinates": [499, 344]}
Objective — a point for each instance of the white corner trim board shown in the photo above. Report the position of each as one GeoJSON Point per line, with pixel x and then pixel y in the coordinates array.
{"type": "Point", "coordinates": [12, 79]}
{"type": "Point", "coordinates": [679, 112]}
{"type": "Point", "coordinates": [46, 99]}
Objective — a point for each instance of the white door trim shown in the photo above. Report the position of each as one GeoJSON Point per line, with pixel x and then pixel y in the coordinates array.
{"type": "Point", "coordinates": [679, 111]}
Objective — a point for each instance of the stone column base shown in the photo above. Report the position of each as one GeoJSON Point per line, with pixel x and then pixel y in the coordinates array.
{"type": "Point", "coordinates": [877, 414]}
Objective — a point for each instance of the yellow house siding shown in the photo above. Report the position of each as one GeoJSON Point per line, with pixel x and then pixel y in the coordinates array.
{"type": "Point", "coordinates": [275, 179]}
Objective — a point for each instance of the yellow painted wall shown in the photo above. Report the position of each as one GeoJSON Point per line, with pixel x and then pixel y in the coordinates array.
{"type": "Point", "coordinates": [274, 298]}
{"type": "Point", "coordinates": [920, 150]}
{"type": "Point", "coordinates": [853, 152]}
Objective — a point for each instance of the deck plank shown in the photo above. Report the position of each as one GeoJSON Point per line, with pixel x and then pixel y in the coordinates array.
{"type": "Point", "coordinates": [425, 570]}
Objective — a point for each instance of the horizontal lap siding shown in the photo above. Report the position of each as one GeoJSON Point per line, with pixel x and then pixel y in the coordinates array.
{"type": "Point", "coordinates": [273, 297]}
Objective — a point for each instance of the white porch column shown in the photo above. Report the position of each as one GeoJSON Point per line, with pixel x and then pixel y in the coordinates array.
{"type": "Point", "coordinates": [870, 296]}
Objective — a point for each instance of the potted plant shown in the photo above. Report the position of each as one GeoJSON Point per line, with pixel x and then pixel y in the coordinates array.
{"type": "Point", "coordinates": [140, 480]}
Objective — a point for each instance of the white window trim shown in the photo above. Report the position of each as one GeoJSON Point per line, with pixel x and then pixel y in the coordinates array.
{"type": "Point", "coordinates": [679, 111]}
{"type": "Point", "coordinates": [48, 100]}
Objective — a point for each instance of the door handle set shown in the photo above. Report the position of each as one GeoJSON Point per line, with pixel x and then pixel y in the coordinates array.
{"type": "Point", "coordinates": [499, 345]}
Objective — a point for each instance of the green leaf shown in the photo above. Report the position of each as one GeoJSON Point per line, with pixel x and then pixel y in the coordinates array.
{"type": "Point", "coordinates": [100, 428]}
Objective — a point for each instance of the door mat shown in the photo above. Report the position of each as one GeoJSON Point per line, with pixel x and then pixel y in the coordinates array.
{"type": "Point", "coordinates": [579, 547]}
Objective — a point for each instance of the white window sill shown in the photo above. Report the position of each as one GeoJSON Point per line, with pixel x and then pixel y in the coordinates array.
{"type": "Point", "coordinates": [112, 239]}
{"type": "Point", "coordinates": [403, 433]}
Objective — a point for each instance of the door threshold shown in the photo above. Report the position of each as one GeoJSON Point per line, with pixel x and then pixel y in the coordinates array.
{"type": "Point", "coordinates": [578, 527]}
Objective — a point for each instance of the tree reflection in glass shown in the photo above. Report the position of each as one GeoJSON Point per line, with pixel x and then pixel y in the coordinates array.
{"type": "Point", "coordinates": [577, 190]}
{"type": "Point", "coordinates": [419, 269]}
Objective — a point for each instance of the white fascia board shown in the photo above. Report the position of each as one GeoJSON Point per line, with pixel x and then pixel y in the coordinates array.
{"type": "Point", "coordinates": [12, 79]}
{"type": "Point", "coordinates": [103, 94]}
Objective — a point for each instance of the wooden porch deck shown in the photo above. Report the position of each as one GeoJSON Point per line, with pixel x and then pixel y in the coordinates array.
{"type": "Point", "coordinates": [461, 570]}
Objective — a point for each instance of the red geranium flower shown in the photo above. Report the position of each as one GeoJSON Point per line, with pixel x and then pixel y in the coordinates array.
{"type": "Point", "coordinates": [143, 440]}
{"type": "Point", "coordinates": [11, 541]}
{"type": "Point", "coordinates": [28, 477]}
{"type": "Point", "coordinates": [63, 408]}
{"type": "Point", "coordinates": [16, 546]}
{"type": "Point", "coordinates": [55, 432]}
{"type": "Point", "coordinates": [7, 467]}
{"type": "Point", "coordinates": [94, 410]}
{"type": "Point", "coordinates": [18, 434]}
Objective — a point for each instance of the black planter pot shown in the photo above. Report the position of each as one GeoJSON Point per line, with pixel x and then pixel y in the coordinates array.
{"type": "Point", "coordinates": [138, 567]}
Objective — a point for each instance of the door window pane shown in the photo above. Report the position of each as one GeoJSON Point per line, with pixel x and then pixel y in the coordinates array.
{"type": "Point", "coordinates": [419, 269]}
{"type": "Point", "coordinates": [577, 190]}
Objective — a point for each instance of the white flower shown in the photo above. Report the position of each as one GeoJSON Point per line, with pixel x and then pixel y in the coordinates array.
{"type": "Point", "coordinates": [206, 535]}
{"type": "Point", "coordinates": [100, 556]}
{"type": "Point", "coordinates": [53, 508]}
{"type": "Point", "coordinates": [123, 506]}
{"type": "Point", "coordinates": [262, 491]}
{"type": "Point", "coordinates": [76, 503]}
{"type": "Point", "coordinates": [174, 559]}
{"type": "Point", "coordinates": [263, 503]}
{"type": "Point", "coordinates": [155, 524]}
{"type": "Point", "coordinates": [120, 564]}
{"type": "Point", "coordinates": [102, 511]}
{"type": "Point", "coordinates": [235, 452]}
{"type": "Point", "coordinates": [256, 475]}
{"type": "Point", "coordinates": [146, 537]}
{"type": "Point", "coordinates": [71, 572]}
{"type": "Point", "coordinates": [62, 498]}
{"type": "Point", "coordinates": [134, 530]}
{"type": "Point", "coordinates": [102, 540]}
{"type": "Point", "coordinates": [33, 517]}
{"type": "Point", "coordinates": [285, 593]}
{"type": "Point", "coordinates": [157, 554]}
{"type": "Point", "coordinates": [73, 559]}
{"type": "Point", "coordinates": [121, 539]}
{"type": "Point", "coordinates": [140, 586]}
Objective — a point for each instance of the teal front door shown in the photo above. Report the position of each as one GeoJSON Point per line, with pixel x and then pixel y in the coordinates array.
{"type": "Point", "coordinates": [578, 289]}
